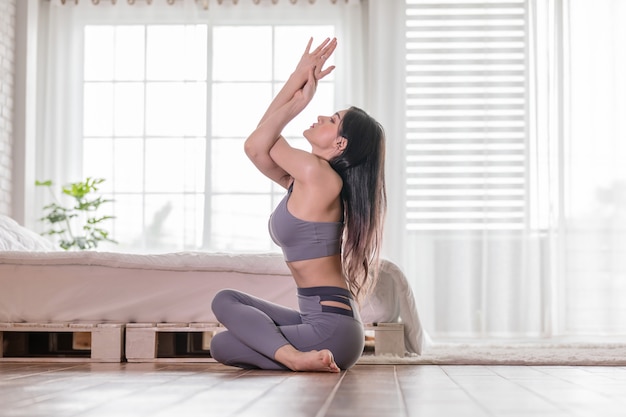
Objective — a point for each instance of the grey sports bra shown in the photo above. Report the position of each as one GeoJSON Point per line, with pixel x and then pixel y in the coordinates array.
{"type": "Point", "coordinates": [300, 239]}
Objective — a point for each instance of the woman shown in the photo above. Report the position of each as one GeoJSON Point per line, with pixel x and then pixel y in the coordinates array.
{"type": "Point", "coordinates": [329, 226]}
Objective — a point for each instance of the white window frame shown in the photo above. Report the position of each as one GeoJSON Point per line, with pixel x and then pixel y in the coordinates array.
{"type": "Point", "coordinates": [244, 15]}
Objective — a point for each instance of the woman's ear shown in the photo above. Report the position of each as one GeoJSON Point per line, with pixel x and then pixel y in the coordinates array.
{"type": "Point", "coordinates": [341, 143]}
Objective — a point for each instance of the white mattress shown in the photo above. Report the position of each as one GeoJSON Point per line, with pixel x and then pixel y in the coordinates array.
{"type": "Point", "coordinates": [95, 286]}
{"type": "Point", "coordinates": [113, 287]}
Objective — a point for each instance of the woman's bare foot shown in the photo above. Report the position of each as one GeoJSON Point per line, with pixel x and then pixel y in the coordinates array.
{"type": "Point", "coordinates": [311, 361]}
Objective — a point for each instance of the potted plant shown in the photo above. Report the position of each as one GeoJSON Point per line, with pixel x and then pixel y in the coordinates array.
{"type": "Point", "coordinates": [76, 226]}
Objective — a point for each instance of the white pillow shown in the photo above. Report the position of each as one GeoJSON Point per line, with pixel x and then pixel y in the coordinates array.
{"type": "Point", "coordinates": [14, 237]}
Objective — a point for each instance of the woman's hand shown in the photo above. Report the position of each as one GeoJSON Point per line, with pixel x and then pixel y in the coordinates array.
{"type": "Point", "coordinates": [315, 60]}
{"type": "Point", "coordinates": [311, 61]}
{"type": "Point", "coordinates": [303, 96]}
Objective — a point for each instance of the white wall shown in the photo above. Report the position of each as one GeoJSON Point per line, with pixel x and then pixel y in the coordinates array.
{"type": "Point", "coordinates": [7, 71]}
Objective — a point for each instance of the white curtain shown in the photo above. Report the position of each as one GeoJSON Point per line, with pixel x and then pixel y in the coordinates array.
{"type": "Point", "coordinates": [565, 273]}
{"type": "Point", "coordinates": [594, 171]}
{"type": "Point", "coordinates": [577, 148]}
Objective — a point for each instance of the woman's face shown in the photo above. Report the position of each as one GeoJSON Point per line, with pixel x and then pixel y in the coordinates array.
{"type": "Point", "coordinates": [324, 134]}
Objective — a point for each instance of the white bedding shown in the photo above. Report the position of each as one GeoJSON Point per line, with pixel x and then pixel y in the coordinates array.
{"type": "Point", "coordinates": [15, 237]}
{"type": "Point", "coordinates": [42, 285]}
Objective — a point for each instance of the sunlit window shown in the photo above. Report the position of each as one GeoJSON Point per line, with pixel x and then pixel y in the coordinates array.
{"type": "Point", "coordinates": [166, 109]}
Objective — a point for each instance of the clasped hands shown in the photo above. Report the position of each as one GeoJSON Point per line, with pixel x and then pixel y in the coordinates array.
{"type": "Point", "coordinates": [311, 69]}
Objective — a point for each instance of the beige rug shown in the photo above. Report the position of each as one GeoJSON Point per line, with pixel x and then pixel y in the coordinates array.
{"type": "Point", "coordinates": [559, 354]}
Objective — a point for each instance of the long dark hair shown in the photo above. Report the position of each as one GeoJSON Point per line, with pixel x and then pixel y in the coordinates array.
{"type": "Point", "coordinates": [362, 168]}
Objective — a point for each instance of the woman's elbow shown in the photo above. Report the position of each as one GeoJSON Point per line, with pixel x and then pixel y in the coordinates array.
{"type": "Point", "coordinates": [251, 151]}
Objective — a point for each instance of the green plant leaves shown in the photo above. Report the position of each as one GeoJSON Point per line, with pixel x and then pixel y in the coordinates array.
{"type": "Point", "coordinates": [63, 220]}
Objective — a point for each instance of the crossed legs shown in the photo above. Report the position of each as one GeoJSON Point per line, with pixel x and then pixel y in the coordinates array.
{"type": "Point", "coordinates": [265, 335]}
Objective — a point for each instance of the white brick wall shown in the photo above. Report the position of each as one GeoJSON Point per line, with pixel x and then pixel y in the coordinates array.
{"type": "Point", "coordinates": [7, 47]}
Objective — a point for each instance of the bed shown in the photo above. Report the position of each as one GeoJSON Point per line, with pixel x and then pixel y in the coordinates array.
{"type": "Point", "coordinates": [39, 284]}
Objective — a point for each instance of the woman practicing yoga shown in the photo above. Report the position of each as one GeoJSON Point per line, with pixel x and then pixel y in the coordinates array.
{"type": "Point", "coordinates": [329, 226]}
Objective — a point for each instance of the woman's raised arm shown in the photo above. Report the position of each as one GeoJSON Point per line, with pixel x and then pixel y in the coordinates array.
{"type": "Point", "coordinates": [291, 100]}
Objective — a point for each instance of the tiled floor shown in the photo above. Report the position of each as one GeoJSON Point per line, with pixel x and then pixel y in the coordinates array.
{"type": "Point", "coordinates": [209, 389]}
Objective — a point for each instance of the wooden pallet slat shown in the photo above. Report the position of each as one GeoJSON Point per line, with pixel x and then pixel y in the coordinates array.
{"type": "Point", "coordinates": [160, 342]}
{"type": "Point", "coordinates": [388, 338]}
{"type": "Point", "coordinates": [61, 342]}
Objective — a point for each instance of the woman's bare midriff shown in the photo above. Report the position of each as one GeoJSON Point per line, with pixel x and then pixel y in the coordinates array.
{"type": "Point", "coordinates": [320, 272]}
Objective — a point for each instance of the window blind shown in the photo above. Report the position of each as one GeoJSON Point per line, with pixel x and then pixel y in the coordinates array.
{"type": "Point", "coordinates": [465, 115]}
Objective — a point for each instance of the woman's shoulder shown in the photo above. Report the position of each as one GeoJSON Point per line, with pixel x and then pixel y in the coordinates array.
{"type": "Point", "coordinates": [319, 174]}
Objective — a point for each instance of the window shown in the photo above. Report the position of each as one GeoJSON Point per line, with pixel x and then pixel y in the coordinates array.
{"type": "Point", "coordinates": [241, 198]}
{"type": "Point", "coordinates": [466, 113]}
{"type": "Point", "coordinates": [166, 111]}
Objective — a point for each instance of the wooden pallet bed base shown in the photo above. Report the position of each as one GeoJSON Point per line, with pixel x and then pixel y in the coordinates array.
{"type": "Point", "coordinates": [139, 342]}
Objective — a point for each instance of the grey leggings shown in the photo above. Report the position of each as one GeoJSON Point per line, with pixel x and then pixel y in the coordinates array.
{"type": "Point", "coordinates": [257, 328]}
